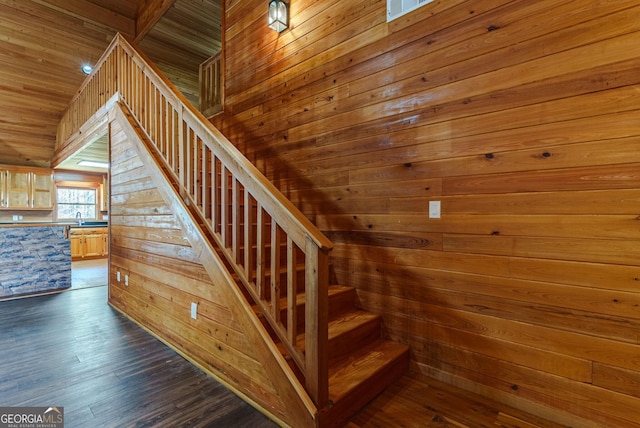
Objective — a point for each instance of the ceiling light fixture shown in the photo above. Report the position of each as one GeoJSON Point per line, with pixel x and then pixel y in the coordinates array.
{"type": "Point", "coordinates": [87, 69]}
{"type": "Point", "coordinates": [93, 164]}
{"type": "Point", "coordinates": [278, 16]}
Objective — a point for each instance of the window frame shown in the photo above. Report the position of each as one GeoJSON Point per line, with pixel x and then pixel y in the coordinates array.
{"type": "Point", "coordinates": [78, 185]}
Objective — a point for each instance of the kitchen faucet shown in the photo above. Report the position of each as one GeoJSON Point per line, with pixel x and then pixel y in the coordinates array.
{"type": "Point", "coordinates": [79, 217]}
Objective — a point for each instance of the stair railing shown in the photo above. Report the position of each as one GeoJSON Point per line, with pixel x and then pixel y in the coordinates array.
{"type": "Point", "coordinates": [211, 85]}
{"type": "Point", "coordinates": [275, 251]}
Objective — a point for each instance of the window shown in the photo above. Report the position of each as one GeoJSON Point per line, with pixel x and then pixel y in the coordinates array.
{"type": "Point", "coordinates": [74, 200]}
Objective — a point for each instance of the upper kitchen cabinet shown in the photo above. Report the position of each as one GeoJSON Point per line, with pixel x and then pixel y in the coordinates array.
{"type": "Point", "coordinates": [18, 184]}
{"type": "Point", "coordinates": [23, 188]}
{"type": "Point", "coordinates": [42, 190]}
{"type": "Point", "coordinates": [3, 188]}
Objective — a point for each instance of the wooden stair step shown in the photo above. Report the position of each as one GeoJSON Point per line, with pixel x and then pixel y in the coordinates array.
{"type": "Point", "coordinates": [349, 332]}
{"type": "Point", "coordinates": [341, 299]}
{"type": "Point", "coordinates": [357, 379]}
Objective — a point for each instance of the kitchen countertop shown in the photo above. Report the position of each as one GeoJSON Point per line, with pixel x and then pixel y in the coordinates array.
{"type": "Point", "coordinates": [43, 223]}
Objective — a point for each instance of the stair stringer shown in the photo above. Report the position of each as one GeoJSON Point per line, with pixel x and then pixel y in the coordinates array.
{"type": "Point", "coordinates": [293, 406]}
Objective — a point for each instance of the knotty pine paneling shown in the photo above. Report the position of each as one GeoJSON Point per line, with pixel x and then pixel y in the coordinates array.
{"type": "Point", "coordinates": [521, 117]}
{"type": "Point", "coordinates": [166, 271]}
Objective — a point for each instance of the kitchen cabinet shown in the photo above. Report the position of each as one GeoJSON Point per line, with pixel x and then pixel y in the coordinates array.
{"type": "Point", "coordinates": [3, 188]}
{"type": "Point", "coordinates": [18, 189]}
{"type": "Point", "coordinates": [89, 242]}
{"type": "Point", "coordinates": [23, 188]}
{"type": "Point", "coordinates": [41, 190]}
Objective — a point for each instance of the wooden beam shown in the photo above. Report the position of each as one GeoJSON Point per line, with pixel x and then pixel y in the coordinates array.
{"type": "Point", "coordinates": [149, 13]}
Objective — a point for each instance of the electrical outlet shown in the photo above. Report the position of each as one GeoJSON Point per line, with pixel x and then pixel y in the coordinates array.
{"type": "Point", "coordinates": [194, 310]}
{"type": "Point", "coordinates": [434, 209]}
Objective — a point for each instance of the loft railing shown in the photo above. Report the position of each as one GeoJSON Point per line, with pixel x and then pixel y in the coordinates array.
{"type": "Point", "coordinates": [211, 85]}
{"type": "Point", "coordinates": [274, 249]}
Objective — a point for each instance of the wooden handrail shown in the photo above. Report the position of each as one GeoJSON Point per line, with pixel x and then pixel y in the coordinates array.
{"type": "Point", "coordinates": [264, 237]}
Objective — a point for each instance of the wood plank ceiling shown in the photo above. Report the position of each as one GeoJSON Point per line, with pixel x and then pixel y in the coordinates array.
{"type": "Point", "coordinates": [44, 43]}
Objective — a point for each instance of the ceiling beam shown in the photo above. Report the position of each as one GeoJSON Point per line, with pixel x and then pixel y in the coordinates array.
{"type": "Point", "coordinates": [149, 13]}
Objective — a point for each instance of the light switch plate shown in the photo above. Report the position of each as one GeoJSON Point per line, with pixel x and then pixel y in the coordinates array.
{"type": "Point", "coordinates": [194, 310]}
{"type": "Point", "coordinates": [434, 209]}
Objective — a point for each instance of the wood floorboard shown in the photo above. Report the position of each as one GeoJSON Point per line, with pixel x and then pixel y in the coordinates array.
{"type": "Point", "coordinates": [72, 350]}
{"type": "Point", "coordinates": [418, 403]}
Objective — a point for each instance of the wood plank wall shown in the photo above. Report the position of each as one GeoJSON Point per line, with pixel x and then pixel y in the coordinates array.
{"type": "Point", "coordinates": [162, 273]}
{"type": "Point", "coordinates": [521, 117]}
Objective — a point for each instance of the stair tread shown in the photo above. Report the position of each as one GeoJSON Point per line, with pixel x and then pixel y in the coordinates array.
{"type": "Point", "coordinates": [344, 323]}
{"type": "Point", "coordinates": [350, 320]}
{"type": "Point", "coordinates": [349, 373]}
{"type": "Point", "coordinates": [333, 290]}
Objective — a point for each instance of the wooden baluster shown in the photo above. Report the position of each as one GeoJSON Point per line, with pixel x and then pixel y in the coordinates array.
{"type": "Point", "coordinates": [316, 323]}
{"type": "Point", "coordinates": [224, 205]}
{"type": "Point", "coordinates": [276, 236]}
{"type": "Point", "coordinates": [235, 219]}
{"type": "Point", "coordinates": [261, 252]}
{"type": "Point", "coordinates": [197, 172]}
{"type": "Point", "coordinates": [249, 234]}
{"type": "Point", "coordinates": [140, 78]}
{"type": "Point", "coordinates": [292, 292]}
{"type": "Point", "coordinates": [176, 138]}
{"type": "Point", "coordinates": [192, 159]}
{"type": "Point", "coordinates": [157, 115]}
{"type": "Point", "coordinates": [162, 126]}
{"type": "Point", "coordinates": [206, 182]}
{"type": "Point", "coordinates": [188, 159]}
{"type": "Point", "coordinates": [181, 149]}
{"type": "Point", "coordinates": [128, 77]}
{"type": "Point", "coordinates": [215, 193]}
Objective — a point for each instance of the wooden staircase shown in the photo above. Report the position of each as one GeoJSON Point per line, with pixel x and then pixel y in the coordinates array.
{"type": "Point", "coordinates": [361, 362]}
{"type": "Point", "coordinates": [278, 259]}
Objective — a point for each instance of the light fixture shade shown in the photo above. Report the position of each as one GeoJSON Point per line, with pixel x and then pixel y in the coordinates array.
{"type": "Point", "coordinates": [278, 17]}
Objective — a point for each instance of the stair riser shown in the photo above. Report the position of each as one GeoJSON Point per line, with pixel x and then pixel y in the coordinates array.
{"type": "Point", "coordinates": [353, 340]}
{"type": "Point", "coordinates": [338, 304]}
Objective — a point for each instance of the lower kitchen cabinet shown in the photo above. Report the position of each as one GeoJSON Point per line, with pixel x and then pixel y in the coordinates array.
{"type": "Point", "coordinates": [89, 242]}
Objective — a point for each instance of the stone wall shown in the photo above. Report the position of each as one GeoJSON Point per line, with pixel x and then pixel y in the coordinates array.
{"type": "Point", "coordinates": [34, 259]}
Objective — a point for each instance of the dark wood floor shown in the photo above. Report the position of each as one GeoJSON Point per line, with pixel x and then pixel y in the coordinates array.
{"type": "Point", "coordinates": [72, 350]}
{"type": "Point", "coordinates": [421, 403]}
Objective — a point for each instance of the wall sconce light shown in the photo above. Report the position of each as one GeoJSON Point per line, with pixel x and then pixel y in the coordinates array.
{"type": "Point", "coordinates": [278, 17]}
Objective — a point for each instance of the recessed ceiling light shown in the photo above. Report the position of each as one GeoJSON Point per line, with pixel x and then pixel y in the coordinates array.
{"type": "Point", "coordinates": [87, 69]}
{"type": "Point", "coordinates": [93, 164]}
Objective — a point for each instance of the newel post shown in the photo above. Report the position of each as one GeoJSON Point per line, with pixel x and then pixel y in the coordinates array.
{"type": "Point", "coordinates": [316, 323]}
